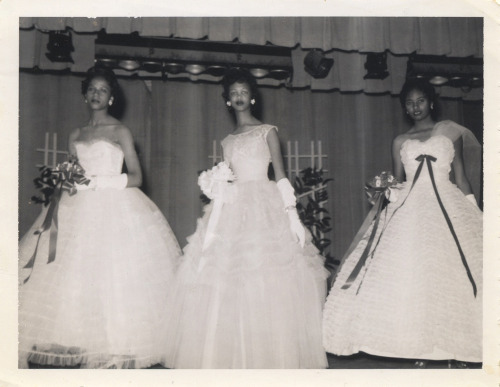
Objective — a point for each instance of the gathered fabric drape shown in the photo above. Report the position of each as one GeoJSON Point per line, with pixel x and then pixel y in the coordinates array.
{"type": "Point", "coordinates": [174, 124]}
{"type": "Point", "coordinates": [400, 35]}
{"type": "Point", "coordinates": [344, 39]}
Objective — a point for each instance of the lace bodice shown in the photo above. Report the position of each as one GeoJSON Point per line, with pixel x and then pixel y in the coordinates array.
{"type": "Point", "coordinates": [100, 157]}
{"type": "Point", "coordinates": [439, 146]}
{"type": "Point", "coordinates": [248, 153]}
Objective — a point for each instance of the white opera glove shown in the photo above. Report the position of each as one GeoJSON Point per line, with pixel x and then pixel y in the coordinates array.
{"type": "Point", "coordinates": [82, 187]}
{"type": "Point", "coordinates": [114, 182]}
{"type": "Point", "coordinates": [296, 226]}
{"type": "Point", "coordinates": [472, 199]}
{"type": "Point", "coordinates": [392, 193]}
{"type": "Point", "coordinates": [288, 195]}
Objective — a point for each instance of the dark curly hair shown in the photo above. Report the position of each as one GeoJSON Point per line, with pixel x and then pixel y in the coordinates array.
{"type": "Point", "coordinates": [99, 72]}
{"type": "Point", "coordinates": [239, 75]}
{"type": "Point", "coordinates": [425, 88]}
{"type": "Point", "coordinates": [119, 104]}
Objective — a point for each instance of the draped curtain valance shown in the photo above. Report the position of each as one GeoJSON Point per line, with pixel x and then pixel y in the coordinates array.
{"type": "Point", "coordinates": [345, 39]}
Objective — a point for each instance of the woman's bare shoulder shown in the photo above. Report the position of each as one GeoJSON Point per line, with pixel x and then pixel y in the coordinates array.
{"type": "Point", "coordinates": [74, 134]}
{"type": "Point", "coordinates": [400, 139]}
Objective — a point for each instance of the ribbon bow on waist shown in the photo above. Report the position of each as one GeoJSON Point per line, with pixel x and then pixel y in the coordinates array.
{"type": "Point", "coordinates": [423, 158]}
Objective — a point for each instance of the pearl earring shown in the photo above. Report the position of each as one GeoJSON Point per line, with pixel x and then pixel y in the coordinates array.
{"type": "Point", "coordinates": [228, 103]}
{"type": "Point", "coordinates": [110, 102]}
{"type": "Point", "coordinates": [252, 101]}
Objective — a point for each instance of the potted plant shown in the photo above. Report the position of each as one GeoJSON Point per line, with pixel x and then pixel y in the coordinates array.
{"type": "Point", "coordinates": [310, 187]}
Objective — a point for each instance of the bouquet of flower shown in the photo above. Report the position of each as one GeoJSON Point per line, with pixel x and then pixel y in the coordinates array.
{"type": "Point", "coordinates": [63, 177]}
{"type": "Point", "coordinates": [52, 182]}
{"type": "Point", "coordinates": [383, 183]}
{"type": "Point", "coordinates": [215, 182]}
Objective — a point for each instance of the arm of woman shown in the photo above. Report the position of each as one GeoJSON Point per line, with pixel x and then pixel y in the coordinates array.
{"type": "Point", "coordinates": [458, 168]}
{"type": "Point", "coordinates": [276, 158]}
{"type": "Point", "coordinates": [134, 173]}
{"type": "Point", "coordinates": [397, 164]}
{"type": "Point", "coordinates": [71, 143]}
{"type": "Point", "coordinates": [285, 188]}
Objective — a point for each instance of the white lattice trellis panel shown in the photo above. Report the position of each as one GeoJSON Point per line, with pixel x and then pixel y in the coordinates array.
{"type": "Point", "coordinates": [50, 151]}
{"type": "Point", "coordinates": [297, 161]}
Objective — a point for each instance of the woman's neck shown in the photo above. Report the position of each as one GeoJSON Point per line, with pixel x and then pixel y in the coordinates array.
{"type": "Point", "coordinates": [245, 119]}
{"type": "Point", "coordinates": [98, 118]}
{"type": "Point", "coordinates": [420, 126]}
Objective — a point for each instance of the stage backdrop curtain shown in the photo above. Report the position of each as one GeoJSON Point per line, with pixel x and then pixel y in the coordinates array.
{"type": "Point", "coordinates": [344, 39]}
{"type": "Point", "coordinates": [174, 124]}
{"type": "Point", "coordinates": [450, 36]}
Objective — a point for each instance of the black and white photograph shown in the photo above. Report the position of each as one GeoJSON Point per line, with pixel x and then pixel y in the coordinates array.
{"type": "Point", "coordinates": [303, 199]}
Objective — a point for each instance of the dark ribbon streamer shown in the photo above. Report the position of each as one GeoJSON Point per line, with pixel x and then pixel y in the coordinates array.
{"type": "Point", "coordinates": [428, 159]}
{"type": "Point", "coordinates": [376, 209]}
{"type": "Point", "coordinates": [365, 254]}
{"type": "Point", "coordinates": [373, 214]}
{"type": "Point", "coordinates": [51, 221]}
{"type": "Point", "coordinates": [367, 249]}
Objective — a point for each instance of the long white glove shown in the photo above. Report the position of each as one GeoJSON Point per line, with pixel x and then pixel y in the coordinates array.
{"type": "Point", "coordinates": [472, 199]}
{"type": "Point", "coordinates": [82, 187]}
{"type": "Point", "coordinates": [392, 193]}
{"type": "Point", "coordinates": [289, 200]}
{"type": "Point", "coordinates": [114, 182]}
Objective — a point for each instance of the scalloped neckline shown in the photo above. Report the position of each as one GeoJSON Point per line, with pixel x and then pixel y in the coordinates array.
{"type": "Point", "coordinates": [248, 131]}
{"type": "Point", "coordinates": [425, 141]}
{"type": "Point", "coordinates": [98, 140]}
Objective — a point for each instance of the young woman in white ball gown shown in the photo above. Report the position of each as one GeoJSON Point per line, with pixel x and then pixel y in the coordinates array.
{"type": "Point", "coordinates": [100, 303]}
{"type": "Point", "coordinates": [419, 294]}
{"type": "Point", "coordinates": [252, 296]}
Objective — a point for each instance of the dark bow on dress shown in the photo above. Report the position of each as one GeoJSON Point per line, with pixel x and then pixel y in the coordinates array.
{"type": "Point", "coordinates": [376, 212]}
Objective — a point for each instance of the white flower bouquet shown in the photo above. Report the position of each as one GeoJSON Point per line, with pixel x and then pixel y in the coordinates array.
{"type": "Point", "coordinates": [216, 182]}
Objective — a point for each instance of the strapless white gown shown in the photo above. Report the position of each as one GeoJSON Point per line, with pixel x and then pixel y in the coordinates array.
{"type": "Point", "coordinates": [415, 299]}
{"type": "Point", "coordinates": [101, 302]}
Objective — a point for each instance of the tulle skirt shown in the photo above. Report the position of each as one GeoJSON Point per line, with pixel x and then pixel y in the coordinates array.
{"type": "Point", "coordinates": [253, 298]}
{"type": "Point", "coordinates": [100, 304]}
{"type": "Point", "coordinates": [413, 298]}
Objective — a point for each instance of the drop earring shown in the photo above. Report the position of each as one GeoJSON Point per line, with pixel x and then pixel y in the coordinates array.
{"type": "Point", "coordinates": [252, 101]}
{"type": "Point", "coordinates": [228, 103]}
{"type": "Point", "coordinates": [110, 102]}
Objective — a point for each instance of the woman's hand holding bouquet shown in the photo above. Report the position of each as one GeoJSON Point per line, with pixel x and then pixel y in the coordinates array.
{"type": "Point", "coordinates": [217, 183]}
{"type": "Point", "coordinates": [383, 183]}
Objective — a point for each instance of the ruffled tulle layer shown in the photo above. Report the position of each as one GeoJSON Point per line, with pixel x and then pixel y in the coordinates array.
{"type": "Point", "coordinates": [254, 297]}
{"type": "Point", "coordinates": [101, 302]}
{"type": "Point", "coordinates": [413, 299]}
